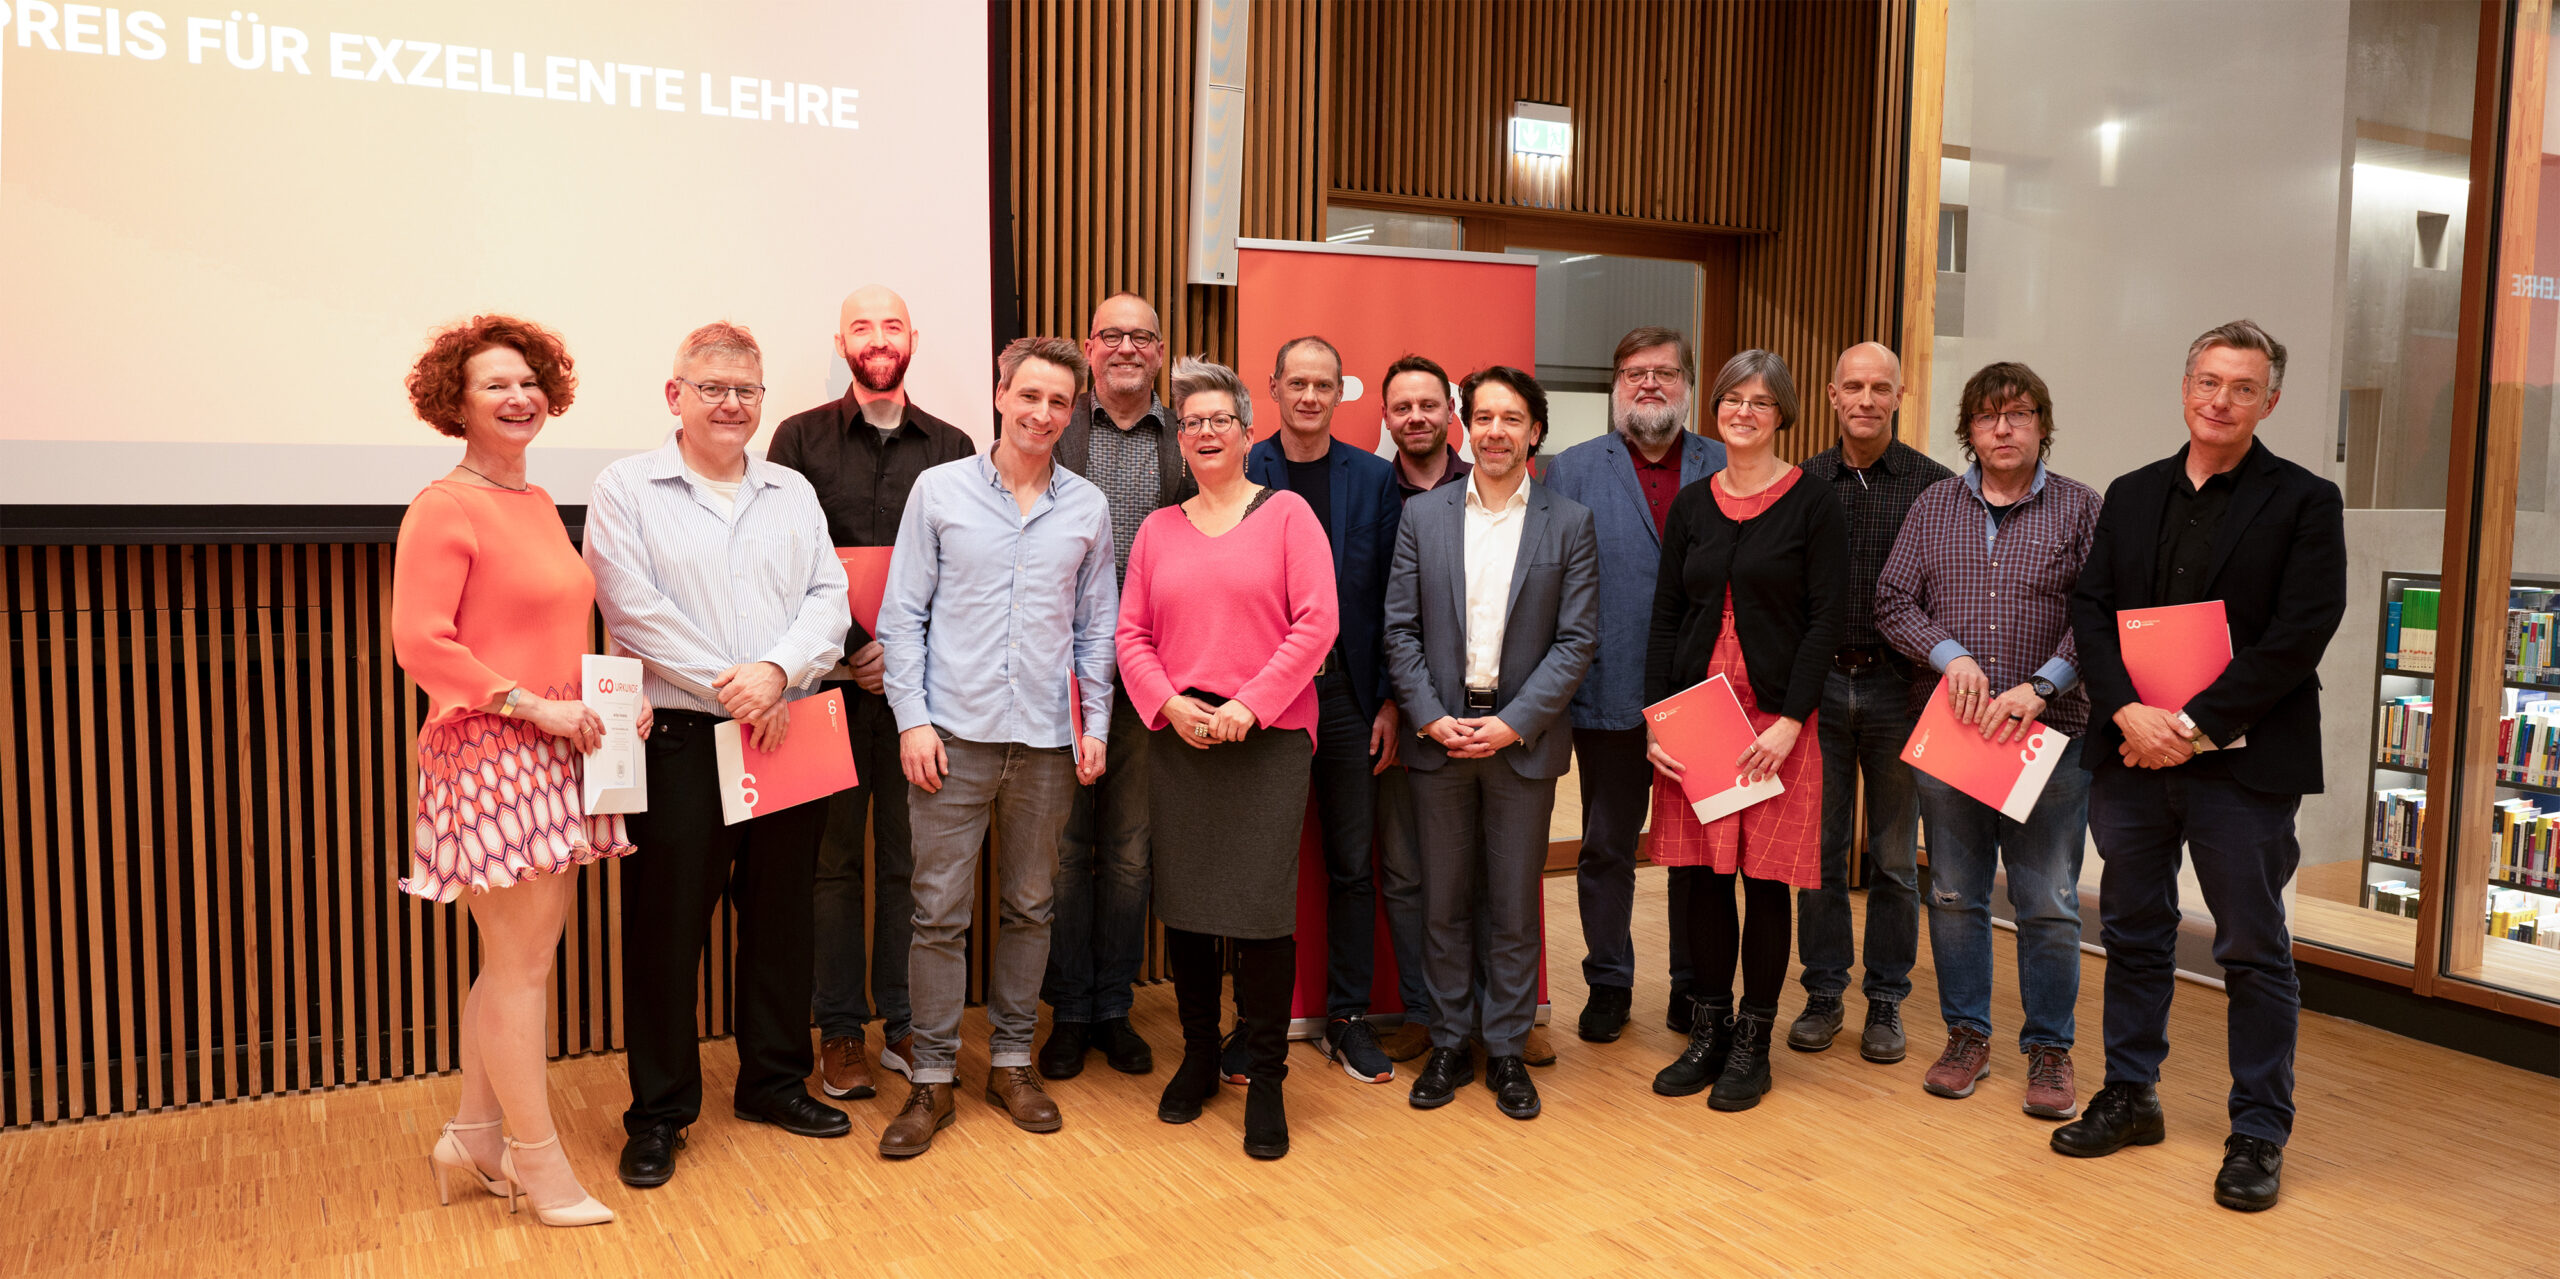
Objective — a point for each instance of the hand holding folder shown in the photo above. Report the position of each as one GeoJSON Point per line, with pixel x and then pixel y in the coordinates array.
{"type": "Point", "coordinates": [814, 760]}
{"type": "Point", "coordinates": [1704, 729]}
{"type": "Point", "coordinates": [2008, 776]}
{"type": "Point", "coordinates": [2175, 652]}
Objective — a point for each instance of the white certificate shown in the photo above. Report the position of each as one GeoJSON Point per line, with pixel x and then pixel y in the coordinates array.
{"type": "Point", "coordinates": [617, 775]}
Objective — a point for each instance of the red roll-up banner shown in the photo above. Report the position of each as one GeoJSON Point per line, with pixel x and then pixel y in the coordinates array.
{"type": "Point", "coordinates": [1375, 305]}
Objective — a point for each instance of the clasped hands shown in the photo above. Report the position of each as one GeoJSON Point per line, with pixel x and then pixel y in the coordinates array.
{"type": "Point", "coordinates": [1475, 738]}
{"type": "Point", "coordinates": [2152, 737]}
{"type": "Point", "coordinates": [2003, 718]}
{"type": "Point", "coordinates": [1200, 727]}
{"type": "Point", "coordinates": [751, 693]}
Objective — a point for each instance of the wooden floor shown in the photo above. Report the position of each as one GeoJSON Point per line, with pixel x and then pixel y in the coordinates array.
{"type": "Point", "coordinates": [2408, 1160]}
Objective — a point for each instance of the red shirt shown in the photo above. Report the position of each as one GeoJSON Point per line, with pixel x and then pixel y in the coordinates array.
{"type": "Point", "coordinates": [1660, 481]}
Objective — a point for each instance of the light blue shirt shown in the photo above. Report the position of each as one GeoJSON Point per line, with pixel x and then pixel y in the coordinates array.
{"type": "Point", "coordinates": [988, 609]}
{"type": "Point", "coordinates": [692, 588]}
{"type": "Point", "coordinates": [2061, 674]}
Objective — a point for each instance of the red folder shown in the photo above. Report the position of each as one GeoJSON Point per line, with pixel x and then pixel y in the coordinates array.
{"type": "Point", "coordinates": [866, 579]}
{"type": "Point", "coordinates": [815, 760]}
{"type": "Point", "coordinates": [2008, 776]}
{"type": "Point", "coordinates": [1704, 728]}
{"type": "Point", "coordinates": [2174, 653]}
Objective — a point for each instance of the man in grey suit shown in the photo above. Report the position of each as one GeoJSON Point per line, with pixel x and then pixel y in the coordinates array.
{"type": "Point", "coordinates": [1489, 632]}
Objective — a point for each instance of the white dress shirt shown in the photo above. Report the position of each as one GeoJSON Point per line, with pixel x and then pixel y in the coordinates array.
{"type": "Point", "coordinates": [1493, 547]}
{"type": "Point", "coordinates": [692, 585]}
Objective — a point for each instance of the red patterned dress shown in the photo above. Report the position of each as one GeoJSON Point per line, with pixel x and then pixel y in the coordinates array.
{"type": "Point", "coordinates": [1780, 838]}
{"type": "Point", "coordinates": [488, 594]}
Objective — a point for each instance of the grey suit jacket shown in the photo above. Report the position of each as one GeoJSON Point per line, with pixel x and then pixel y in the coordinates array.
{"type": "Point", "coordinates": [1547, 637]}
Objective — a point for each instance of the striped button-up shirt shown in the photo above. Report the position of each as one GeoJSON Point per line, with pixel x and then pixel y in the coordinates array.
{"type": "Point", "coordinates": [989, 609]}
{"type": "Point", "coordinates": [1961, 583]}
{"type": "Point", "coordinates": [692, 589]}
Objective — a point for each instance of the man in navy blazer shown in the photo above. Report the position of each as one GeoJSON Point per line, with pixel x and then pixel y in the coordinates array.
{"type": "Point", "coordinates": [2222, 519]}
{"type": "Point", "coordinates": [1493, 609]}
{"type": "Point", "coordinates": [1356, 499]}
{"type": "Point", "coordinates": [1628, 478]}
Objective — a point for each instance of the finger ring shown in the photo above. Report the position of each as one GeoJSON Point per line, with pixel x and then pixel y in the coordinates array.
{"type": "Point", "coordinates": [1199, 730]}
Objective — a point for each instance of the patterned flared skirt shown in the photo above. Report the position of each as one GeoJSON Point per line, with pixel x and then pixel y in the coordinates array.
{"type": "Point", "coordinates": [499, 802]}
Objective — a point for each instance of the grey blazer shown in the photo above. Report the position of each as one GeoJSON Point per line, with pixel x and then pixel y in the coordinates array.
{"type": "Point", "coordinates": [1547, 637]}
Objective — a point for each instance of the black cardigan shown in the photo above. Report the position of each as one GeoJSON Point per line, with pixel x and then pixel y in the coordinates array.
{"type": "Point", "coordinates": [1789, 570]}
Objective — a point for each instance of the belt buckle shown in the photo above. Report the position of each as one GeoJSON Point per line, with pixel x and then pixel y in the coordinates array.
{"type": "Point", "coordinates": [1480, 700]}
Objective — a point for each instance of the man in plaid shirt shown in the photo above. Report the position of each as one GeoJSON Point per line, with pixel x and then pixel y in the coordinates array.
{"type": "Point", "coordinates": [1979, 585]}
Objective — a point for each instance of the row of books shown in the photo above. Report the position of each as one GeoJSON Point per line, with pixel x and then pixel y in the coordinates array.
{"type": "Point", "coordinates": [2409, 630]}
{"type": "Point", "coordinates": [2406, 722]}
{"type": "Point", "coordinates": [2533, 643]}
{"type": "Point", "coordinates": [2522, 841]}
{"type": "Point", "coordinates": [2533, 639]}
{"type": "Point", "coordinates": [2398, 816]}
{"type": "Point", "coordinates": [2513, 915]}
{"type": "Point", "coordinates": [2529, 741]}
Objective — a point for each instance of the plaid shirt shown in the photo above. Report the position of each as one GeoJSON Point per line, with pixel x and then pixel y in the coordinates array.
{"type": "Point", "coordinates": [1959, 584]}
{"type": "Point", "coordinates": [1874, 500]}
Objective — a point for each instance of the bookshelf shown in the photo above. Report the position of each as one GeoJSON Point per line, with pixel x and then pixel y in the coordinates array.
{"type": "Point", "coordinates": [2524, 852]}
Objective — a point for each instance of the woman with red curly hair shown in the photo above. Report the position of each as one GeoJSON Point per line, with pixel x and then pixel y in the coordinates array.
{"type": "Point", "coordinates": [489, 613]}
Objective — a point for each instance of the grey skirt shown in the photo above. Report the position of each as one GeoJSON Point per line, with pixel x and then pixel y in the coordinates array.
{"type": "Point", "coordinates": [1224, 825]}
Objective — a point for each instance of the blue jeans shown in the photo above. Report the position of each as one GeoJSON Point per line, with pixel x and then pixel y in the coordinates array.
{"type": "Point", "coordinates": [1346, 813]}
{"type": "Point", "coordinates": [1021, 794]}
{"type": "Point", "coordinates": [1866, 719]}
{"type": "Point", "coordinates": [1968, 840]}
{"type": "Point", "coordinates": [2245, 853]}
{"type": "Point", "coordinates": [1099, 934]}
{"type": "Point", "coordinates": [846, 989]}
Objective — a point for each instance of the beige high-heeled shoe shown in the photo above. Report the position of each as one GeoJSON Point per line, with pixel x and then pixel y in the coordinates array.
{"type": "Point", "coordinates": [586, 1212]}
{"type": "Point", "coordinates": [449, 1156]}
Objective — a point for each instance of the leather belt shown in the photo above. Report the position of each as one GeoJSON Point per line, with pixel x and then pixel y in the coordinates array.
{"type": "Point", "coordinates": [1332, 663]}
{"type": "Point", "coordinates": [1480, 701]}
{"type": "Point", "coordinates": [1862, 657]}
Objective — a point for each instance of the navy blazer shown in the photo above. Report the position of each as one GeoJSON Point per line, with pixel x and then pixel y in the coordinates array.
{"type": "Point", "coordinates": [1601, 474]}
{"type": "Point", "coordinates": [1366, 507]}
{"type": "Point", "coordinates": [2280, 570]}
{"type": "Point", "coordinates": [1547, 636]}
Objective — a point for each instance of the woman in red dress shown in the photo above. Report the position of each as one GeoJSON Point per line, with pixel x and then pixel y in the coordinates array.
{"type": "Point", "coordinates": [1754, 586]}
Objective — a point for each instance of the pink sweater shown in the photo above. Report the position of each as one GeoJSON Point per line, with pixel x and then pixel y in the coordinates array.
{"type": "Point", "coordinates": [1249, 613]}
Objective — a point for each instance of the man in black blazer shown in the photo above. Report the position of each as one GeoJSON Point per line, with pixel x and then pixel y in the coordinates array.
{"type": "Point", "coordinates": [1493, 610]}
{"type": "Point", "coordinates": [2224, 519]}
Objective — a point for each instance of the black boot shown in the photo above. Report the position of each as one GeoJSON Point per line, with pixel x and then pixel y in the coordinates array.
{"type": "Point", "coordinates": [1194, 960]}
{"type": "Point", "coordinates": [1266, 971]}
{"type": "Point", "coordinates": [1710, 1042]}
{"type": "Point", "coordinates": [1746, 1067]}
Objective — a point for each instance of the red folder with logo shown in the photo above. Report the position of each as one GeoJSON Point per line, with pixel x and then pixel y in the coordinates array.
{"type": "Point", "coordinates": [2174, 653]}
{"type": "Point", "coordinates": [1704, 728]}
{"type": "Point", "coordinates": [866, 580]}
{"type": "Point", "coordinates": [2008, 776]}
{"type": "Point", "coordinates": [815, 760]}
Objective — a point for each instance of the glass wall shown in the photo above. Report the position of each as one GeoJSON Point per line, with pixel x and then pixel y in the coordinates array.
{"type": "Point", "coordinates": [1586, 302]}
{"type": "Point", "coordinates": [2308, 166]}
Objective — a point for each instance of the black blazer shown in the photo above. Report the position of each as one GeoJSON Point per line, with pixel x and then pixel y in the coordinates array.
{"type": "Point", "coordinates": [2280, 570]}
{"type": "Point", "coordinates": [1789, 570]}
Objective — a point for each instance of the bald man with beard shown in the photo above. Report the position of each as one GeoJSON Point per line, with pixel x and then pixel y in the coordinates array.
{"type": "Point", "coordinates": [1866, 719]}
{"type": "Point", "coordinates": [862, 453]}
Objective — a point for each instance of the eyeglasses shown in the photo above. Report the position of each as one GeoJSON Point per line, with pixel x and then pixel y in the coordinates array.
{"type": "Point", "coordinates": [1756, 408]}
{"type": "Point", "coordinates": [1650, 376]}
{"type": "Point", "coordinates": [1218, 423]}
{"type": "Point", "coordinates": [1134, 339]}
{"type": "Point", "coordinates": [713, 393]}
{"type": "Point", "coordinates": [2018, 419]}
{"type": "Point", "coordinates": [2204, 388]}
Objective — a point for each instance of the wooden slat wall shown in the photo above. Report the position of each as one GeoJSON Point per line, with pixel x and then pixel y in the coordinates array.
{"type": "Point", "coordinates": [1102, 102]}
{"type": "Point", "coordinates": [205, 788]}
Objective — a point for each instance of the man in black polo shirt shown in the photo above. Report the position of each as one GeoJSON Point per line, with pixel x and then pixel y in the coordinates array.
{"type": "Point", "coordinates": [862, 453]}
{"type": "Point", "coordinates": [1866, 720]}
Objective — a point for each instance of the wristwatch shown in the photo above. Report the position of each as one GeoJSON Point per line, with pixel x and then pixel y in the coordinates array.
{"type": "Point", "coordinates": [508, 707]}
{"type": "Point", "coordinates": [2195, 735]}
{"type": "Point", "coordinates": [2044, 687]}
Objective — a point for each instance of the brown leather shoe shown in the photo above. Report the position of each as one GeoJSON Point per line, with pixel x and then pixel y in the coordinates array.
{"type": "Point", "coordinates": [1405, 1042]}
{"type": "Point", "coordinates": [1535, 1050]}
{"type": "Point", "coordinates": [1016, 1091]}
{"type": "Point", "coordinates": [896, 1055]}
{"type": "Point", "coordinates": [842, 1070]}
{"type": "Point", "coordinates": [929, 1110]}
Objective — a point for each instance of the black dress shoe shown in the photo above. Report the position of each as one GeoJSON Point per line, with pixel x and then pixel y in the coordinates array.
{"type": "Point", "coordinates": [2120, 1115]}
{"type": "Point", "coordinates": [1442, 1076]}
{"type": "Point", "coordinates": [1062, 1057]}
{"type": "Point", "coordinates": [799, 1114]}
{"type": "Point", "coordinates": [1122, 1047]}
{"type": "Point", "coordinates": [649, 1155]}
{"type": "Point", "coordinates": [1508, 1077]}
{"type": "Point", "coordinates": [2252, 1173]}
{"type": "Point", "coordinates": [1605, 1013]}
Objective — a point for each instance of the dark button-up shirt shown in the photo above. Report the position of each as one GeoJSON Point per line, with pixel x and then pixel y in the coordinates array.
{"type": "Point", "coordinates": [2187, 527]}
{"type": "Point", "coordinates": [1961, 583]}
{"type": "Point", "coordinates": [1126, 464]}
{"type": "Point", "coordinates": [1875, 500]}
{"type": "Point", "coordinates": [862, 479]}
{"type": "Point", "coordinates": [1456, 470]}
{"type": "Point", "coordinates": [1660, 482]}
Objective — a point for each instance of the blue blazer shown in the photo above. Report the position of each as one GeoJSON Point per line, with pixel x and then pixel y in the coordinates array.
{"type": "Point", "coordinates": [1366, 507]}
{"type": "Point", "coordinates": [1601, 475]}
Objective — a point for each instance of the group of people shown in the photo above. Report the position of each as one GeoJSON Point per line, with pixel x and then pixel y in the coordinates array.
{"type": "Point", "coordinates": [1131, 644]}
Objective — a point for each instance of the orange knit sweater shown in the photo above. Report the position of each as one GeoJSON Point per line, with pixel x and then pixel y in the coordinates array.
{"type": "Point", "coordinates": [487, 594]}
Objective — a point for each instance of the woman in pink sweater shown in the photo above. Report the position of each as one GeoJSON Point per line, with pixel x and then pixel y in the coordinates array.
{"type": "Point", "coordinates": [1226, 614]}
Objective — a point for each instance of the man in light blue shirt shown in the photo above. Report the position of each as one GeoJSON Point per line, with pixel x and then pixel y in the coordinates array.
{"type": "Point", "coordinates": [996, 640]}
{"type": "Point", "coordinates": [714, 569]}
